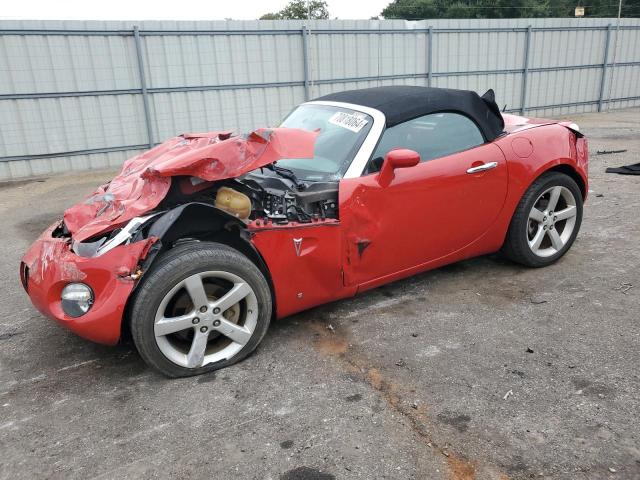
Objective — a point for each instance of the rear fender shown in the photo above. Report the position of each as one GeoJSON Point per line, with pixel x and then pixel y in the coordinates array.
{"type": "Point", "coordinates": [552, 146]}
{"type": "Point", "coordinates": [555, 147]}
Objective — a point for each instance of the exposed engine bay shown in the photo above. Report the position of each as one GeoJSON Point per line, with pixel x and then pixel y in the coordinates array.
{"type": "Point", "coordinates": [261, 196]}
{"type": "Point", "coordinates": [252, 197]}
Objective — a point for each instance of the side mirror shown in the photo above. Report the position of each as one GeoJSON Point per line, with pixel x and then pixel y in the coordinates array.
{"type": "Point", "coordinates": [398, 158]}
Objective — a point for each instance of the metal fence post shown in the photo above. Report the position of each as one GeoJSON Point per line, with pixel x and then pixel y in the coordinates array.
{"type": "Point", "coordinates": [525, 71]}
{"type": "Point", "coordinates": [143, 86]}
{"type": "Point", "coordinates": [429, 55]}
{"type": "Point", "coordinates": [305, 59]}
{"type": "Point", "coordinates": [605, 60]}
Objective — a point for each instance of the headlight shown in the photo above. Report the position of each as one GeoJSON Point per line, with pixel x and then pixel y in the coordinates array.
{"type": "Point", "coordinates": [77, 299]}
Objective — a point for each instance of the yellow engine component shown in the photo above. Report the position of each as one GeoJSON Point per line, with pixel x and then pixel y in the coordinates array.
{"type": "Point", "coordinates": [234, 202]}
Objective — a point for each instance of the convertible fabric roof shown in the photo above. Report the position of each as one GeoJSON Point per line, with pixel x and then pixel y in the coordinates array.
{"type": "Point", "coordinates": [401, 103]}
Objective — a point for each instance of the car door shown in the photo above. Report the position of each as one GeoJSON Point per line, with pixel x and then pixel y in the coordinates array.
{"type": "Point", "coordinates": [428, 211]}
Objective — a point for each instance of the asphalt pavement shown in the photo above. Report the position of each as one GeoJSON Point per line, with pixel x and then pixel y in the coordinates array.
{"type": "Point", "coordinates": [482, 369]}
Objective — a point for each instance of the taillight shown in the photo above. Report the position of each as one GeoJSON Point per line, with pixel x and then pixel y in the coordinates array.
{"type": "Point", "coordinates": [24, 276]}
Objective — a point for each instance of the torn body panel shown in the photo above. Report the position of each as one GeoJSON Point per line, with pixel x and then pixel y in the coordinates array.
{"type": "Point", "coordinates": [187, 187]}
{"type": "Point", "coordinates": [50, 264]}
{"type": "Point", "coordinates": [145, 179]}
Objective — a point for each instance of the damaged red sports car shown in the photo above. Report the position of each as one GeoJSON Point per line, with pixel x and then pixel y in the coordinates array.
{"type": "Point", "coordinates": [199, 242]}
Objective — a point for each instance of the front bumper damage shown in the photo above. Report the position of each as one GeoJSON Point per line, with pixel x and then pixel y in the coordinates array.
{"type": "Point", "coordinates": [100, 241]}
{"type": "Point", "coordinates": [50, 264]}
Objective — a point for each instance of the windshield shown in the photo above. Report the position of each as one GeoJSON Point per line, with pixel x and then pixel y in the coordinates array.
{"type": "Point", "coordinates": [341, 133]}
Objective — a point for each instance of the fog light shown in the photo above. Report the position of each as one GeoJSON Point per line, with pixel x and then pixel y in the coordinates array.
{"type": "Point", "coordinates": [77, 299]}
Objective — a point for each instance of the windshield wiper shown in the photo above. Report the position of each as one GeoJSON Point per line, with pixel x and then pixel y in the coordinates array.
{"type": "Point", "coordinates": [286, 173]}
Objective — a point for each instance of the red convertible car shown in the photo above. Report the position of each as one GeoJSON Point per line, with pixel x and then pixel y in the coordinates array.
{"type": "Point", "coordinates": [199, 242]}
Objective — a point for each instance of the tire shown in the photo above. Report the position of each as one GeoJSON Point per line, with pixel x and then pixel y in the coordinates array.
{"type": "Point", "coordinates": [179, 336]}
{"type": "Point", "coordinates": [529, 228]}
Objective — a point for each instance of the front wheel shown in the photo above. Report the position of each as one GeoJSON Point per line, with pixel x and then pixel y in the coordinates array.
{"type": "Point", "coordinates": [201, 307]}
{"type": "Point", "coordinates": [546, 221]}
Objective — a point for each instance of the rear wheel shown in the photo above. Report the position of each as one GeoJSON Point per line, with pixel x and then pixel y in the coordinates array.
{"type": "Point", "coordinates": [201, 307]}
{"type": "Point", "coordinates": [546, 221]}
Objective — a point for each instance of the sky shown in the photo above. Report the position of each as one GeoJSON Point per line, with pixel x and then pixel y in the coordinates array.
{"type": "Point", "coordinates": [171, 9]}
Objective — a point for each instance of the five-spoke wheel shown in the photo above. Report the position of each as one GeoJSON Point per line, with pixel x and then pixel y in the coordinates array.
{"type": "Point", "coordinates": [203, 306]}
{"type": "Point", "coordinates": [205, 318]}
{"type": "Point", "coordinates": [546, 221]}
{"type": "Point", "coordinates": [551, 221]}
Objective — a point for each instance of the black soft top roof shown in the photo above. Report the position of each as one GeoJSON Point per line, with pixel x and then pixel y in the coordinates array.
{"type": "Point", "coordinates": [401, 103]}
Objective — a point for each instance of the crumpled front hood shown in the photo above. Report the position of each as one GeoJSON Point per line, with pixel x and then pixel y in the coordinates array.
{"type": "Point", "coordinates": [145, 179]}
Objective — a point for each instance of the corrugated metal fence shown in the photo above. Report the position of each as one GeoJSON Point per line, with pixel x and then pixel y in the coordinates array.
{"type": "Point", "coordinates": [78, 95]}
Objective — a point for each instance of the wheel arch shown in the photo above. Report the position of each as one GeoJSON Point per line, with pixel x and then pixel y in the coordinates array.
{"type": "Point", "coordinates": [570, 172]}
{"type": "Point", "coordinates": [552, 166]}
{"type": "Point", "coordinates": [196, 222]}
{"type": "Point", "coordinates": [509, 247]}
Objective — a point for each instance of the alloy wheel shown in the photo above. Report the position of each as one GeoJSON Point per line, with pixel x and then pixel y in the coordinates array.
{"type": "Point", "coordinates": [551, 221]}
{"type": "Point", "coordinates": [206, 318]}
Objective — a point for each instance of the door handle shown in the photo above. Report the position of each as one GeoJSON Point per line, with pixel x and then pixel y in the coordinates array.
{"type": "Point", "coordinates": [483, 167]}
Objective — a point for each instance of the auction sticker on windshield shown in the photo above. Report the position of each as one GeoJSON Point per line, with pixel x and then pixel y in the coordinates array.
{"type": "Point", "coordinates": [350, 121]}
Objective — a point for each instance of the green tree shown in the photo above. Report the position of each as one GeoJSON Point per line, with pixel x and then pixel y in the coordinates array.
{"type": "Point", "coordinates": [271, 16]}
{"type": "Point", "coordinates": [300, 10]}
{"type": "Point", "coordinates": [419, 9]}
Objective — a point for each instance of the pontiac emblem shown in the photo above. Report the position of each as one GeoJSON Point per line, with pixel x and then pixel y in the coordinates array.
{"type": "Point", "coordinates": [297, 244]}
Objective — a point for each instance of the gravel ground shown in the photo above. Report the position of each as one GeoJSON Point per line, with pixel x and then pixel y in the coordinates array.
{"type": "Point", "coordinates": [482, 369]}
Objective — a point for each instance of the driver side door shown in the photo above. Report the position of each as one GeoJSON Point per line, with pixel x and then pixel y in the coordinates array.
{"type": "Point", "coordinates": [427, 212]}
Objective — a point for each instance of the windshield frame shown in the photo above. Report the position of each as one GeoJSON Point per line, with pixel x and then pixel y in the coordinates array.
{"type": "Point", "coordinates": [360, 159]}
